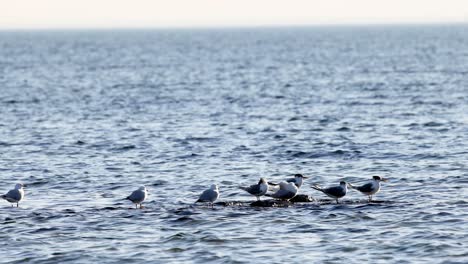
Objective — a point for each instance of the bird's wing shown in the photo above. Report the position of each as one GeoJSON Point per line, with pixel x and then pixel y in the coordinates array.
{"type": "Point", "coordinates": [13, 196]}
{"type": "Point", "coordinates": [254, 189]}
{"type": "Point", "coordinates": [208, 196]}
{"type": "Point", "coordinates": [335, 191]}
{"type": "Point", "coordinates": [137, 196]}
{"type": "Point", "coordinates": [365, 188]}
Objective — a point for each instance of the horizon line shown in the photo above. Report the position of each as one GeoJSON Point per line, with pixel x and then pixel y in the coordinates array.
{"type": "Point", "coordinates": [238, 26]}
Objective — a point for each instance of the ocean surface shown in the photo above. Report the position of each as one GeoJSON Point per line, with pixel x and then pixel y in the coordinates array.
{"type": "Point", "coordinates": [86, 117]}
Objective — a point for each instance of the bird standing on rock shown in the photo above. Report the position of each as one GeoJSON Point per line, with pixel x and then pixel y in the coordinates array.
{"type": "Point", "coordinates": [335, 192]}
{"type": "Point", "coordinates": [15, 195]}
{"type": "Point", "coordinates": [138, 196]}
{"type": "Point", "coordinates": [258, 189]}
{"type": "Point", "coordinates": [210, 195]}
{"type": "Point", "coordinates": [370, 188]}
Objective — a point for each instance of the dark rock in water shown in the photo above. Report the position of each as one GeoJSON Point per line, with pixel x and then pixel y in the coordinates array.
{"type": "Point", "coordinates": [79, 142]}
{"type": "Point", "coordinates": [302, 198]}
{"type": "Point", "coordinates": [232, 203]}
{"type": "Point", "coordinates": [128, 147]}
{"type": "Point", "coordinates": [343, 129]}
{"type": "Point", "coordinates": [350, 202]}
{"type": "Point", "coordinates": [271, 203]}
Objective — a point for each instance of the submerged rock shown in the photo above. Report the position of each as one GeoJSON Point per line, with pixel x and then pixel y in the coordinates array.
{"type": "Point", "coordinates": [271, 203]}
{"type": "Point", "coordinates": [302, 198]}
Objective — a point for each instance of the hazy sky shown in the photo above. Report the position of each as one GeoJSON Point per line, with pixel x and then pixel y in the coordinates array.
{"type": "Point", "coordinates": [201, 13]}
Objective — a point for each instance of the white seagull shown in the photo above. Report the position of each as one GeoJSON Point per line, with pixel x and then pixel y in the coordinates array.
{"type": "Point", "coordinates": [257, 190]}
{"type": "Point", "coordinates": [335, 192]}
{"type": "Point", "coordinates": [210, 195]}
{"type": "Point", "coordinates": [286, 192]}
{"type": "Point", "coordinates": [370, 188]}
{"type": "Point", "coordinates": [138, 196]}
{"type": "Point", "coordinates": [15, 195]}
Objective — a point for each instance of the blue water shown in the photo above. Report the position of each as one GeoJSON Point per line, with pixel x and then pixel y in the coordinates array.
{"type": "Point", "coordinates": [86, 117]}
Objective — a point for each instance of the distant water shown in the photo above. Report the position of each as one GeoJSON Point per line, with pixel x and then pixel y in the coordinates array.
{"type": "Point", "coordinates": [87, 117]}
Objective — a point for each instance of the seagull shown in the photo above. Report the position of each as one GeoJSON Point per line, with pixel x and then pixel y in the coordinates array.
{"type": "Point", "coordinates": [287, 191]}
{"type": "Point", "coordinates": [334, 192]}
{"type": "Point", "coordinates": [15, 195]}
{"type": "Point", "coordinates": [297, 180]}
{"type": "Point", "coordinates": [210, 195]}
{"type": "Point", "coordinates": [370, 188]}
{"type": "Point", "coordinates": [257, 190]}
{"type": "Point", "coordinates": [138, 196]}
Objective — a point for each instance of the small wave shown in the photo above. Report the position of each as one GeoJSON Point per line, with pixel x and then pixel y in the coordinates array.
{"type": "Point", "coordinates": [315, 155]}
{"type": "Point", "coordinates": [124, 148]}
{"type": "Point", "coordinates": [344, 129]}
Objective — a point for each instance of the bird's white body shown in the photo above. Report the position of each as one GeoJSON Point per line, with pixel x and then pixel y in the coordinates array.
{"type": "Point", "coordinates": [287, 190]}
{"type": "Point", "coordinates": [375, 188]}
{"type": "Point", "coordinates": [210, 195]}
{"type": "Point", "coordinates": [15, 195]}
{"type": "Point", "coordinates": [264, 187]}
{"type": "Point", "coordinates": [290, 186]}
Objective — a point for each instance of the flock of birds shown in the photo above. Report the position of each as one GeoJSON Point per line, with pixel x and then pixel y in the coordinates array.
{"type": "Point", "coordinates": [287, 190]}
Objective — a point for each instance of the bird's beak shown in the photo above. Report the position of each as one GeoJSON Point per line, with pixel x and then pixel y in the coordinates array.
{"type": "Point", "coordinates": [385, 179]}
{"type": "Point", "coordinates": [304, 177]}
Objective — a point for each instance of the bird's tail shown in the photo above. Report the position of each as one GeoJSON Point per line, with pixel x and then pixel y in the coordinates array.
{"type": "Point", "coordinates": [352, 186]}
{"type": "Point", "coordinates": [316, 187]}
{"type": "Point", "coordinates": [4, 197]}
{"type": "Point", "coordinates": [272, 183]}
{"type": "Point", "coordinates": [243, 188]}
{"type": "Point", "coordinates": [268, 194]}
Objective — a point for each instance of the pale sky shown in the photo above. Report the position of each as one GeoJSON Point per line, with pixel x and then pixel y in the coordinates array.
{"type": "Point", "coordinates": [33, 14]}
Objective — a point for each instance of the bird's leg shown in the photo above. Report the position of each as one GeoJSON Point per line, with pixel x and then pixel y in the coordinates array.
{"type": "Point", "coordinates": [337, 201]}
{"type": "Point", "coordinates": [17, 204]}
{"type": "Point", "coordinates": [136, 206]}
{"type": "Point", "coordinates": [258, 198]}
